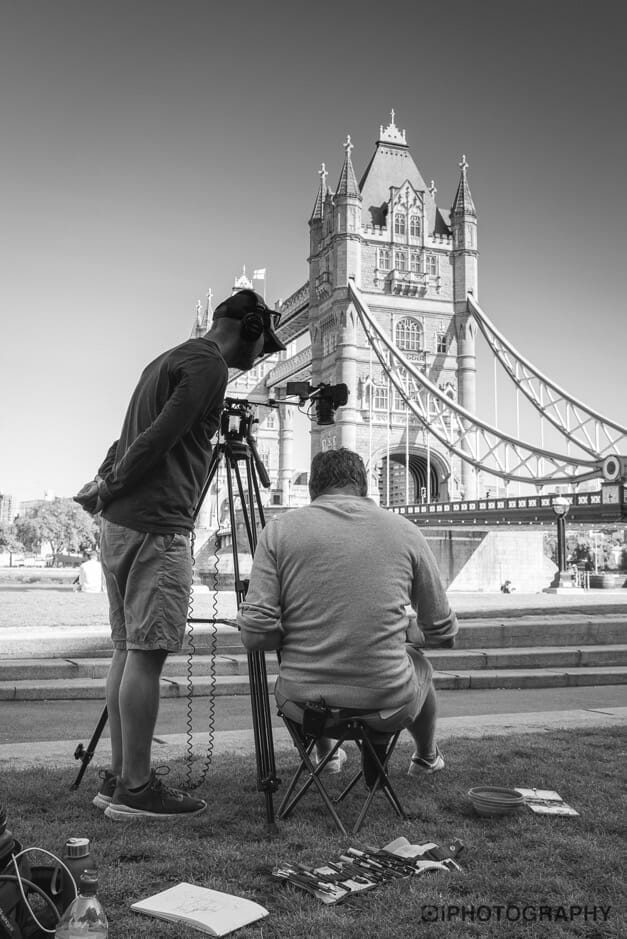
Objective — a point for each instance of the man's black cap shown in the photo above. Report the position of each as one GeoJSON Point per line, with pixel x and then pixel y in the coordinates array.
{"type": "Point", "coordinates": [242, 303]}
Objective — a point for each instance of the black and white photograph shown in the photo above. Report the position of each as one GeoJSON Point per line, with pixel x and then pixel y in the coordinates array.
{"type": "Point", "coordinates": [313, 477]}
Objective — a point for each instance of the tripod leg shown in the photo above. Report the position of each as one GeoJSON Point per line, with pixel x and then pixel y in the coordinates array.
{"type": "Point", "coordinates": [262, 726]}
{"type": "Point", "coordinates": [85, 755]}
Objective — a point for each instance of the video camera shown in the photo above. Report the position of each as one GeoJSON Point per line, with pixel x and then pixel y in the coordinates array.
{"type": "Point", "coordinates": [326, 398]}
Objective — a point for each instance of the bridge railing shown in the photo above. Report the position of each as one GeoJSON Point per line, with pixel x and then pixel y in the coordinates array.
{"type": "Point", "coordinates": [544, 501]}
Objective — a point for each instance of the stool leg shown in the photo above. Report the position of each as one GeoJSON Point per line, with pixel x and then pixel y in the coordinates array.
{"type": "Point", "coordinates": [306, 766]}
{"type": "Point", "coordinates": [382, 781]}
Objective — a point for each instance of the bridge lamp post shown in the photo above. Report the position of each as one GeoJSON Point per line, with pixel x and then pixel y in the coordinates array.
{"type": "Point", "coordinates": [560, 506]}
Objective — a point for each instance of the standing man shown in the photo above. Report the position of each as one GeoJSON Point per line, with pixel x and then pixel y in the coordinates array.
{"type": "Point", "coordinates": [330, 586]}
{"type": "Point", "coordinates": [147, 490]}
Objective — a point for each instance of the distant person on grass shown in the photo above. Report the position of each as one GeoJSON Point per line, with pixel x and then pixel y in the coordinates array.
{"type": "Point", "coordinates": [89, 578]}
{"type": "Point", "coordinates": [147, 490]}
{"type": "Point", "coordinates": [330, 586]}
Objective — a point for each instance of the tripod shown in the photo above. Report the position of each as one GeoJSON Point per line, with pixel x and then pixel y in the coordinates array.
{"type": "Point", "coordinates": [236, 446]}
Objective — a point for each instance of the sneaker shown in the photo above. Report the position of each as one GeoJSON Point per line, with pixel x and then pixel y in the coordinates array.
{"type": "Point", "coordinates": [155, 800]}
{"type": "Point", "coordinates": [107, 787]}
{"type": "Point", "coordinates": [334, 766]}
{"type": "Point", "coordinates": [420, 767]}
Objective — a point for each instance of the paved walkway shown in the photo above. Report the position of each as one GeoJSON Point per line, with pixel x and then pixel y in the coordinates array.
{"type": "Point", "coordinates": [58, 753]}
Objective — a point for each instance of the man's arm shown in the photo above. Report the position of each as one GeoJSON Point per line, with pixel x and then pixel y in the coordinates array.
{"type": "Point", "coordinates": [191, 398]}
{"type": "Point", "coordinates": [89, 497]}
{"type": "Point", "coordinates": [436, 619]}
{"type": "Point", "coordinates": [259, 616]}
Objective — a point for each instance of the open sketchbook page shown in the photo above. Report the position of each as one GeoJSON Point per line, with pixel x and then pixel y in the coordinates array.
{"type": "Point", "coordinates": [546, 802]}
{"type": "Point", "coordinates": [210, 911]}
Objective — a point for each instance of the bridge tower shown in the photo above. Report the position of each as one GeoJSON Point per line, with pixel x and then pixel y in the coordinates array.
{"type": "Point", "coordinates": [413, 264]}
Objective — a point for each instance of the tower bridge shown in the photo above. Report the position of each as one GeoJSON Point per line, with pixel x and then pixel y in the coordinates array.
{"type": "Point", "coordinates": [391, 310]}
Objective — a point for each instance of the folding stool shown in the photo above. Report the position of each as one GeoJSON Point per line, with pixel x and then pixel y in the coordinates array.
{"type": "Point", "coordinates": [341, 725]}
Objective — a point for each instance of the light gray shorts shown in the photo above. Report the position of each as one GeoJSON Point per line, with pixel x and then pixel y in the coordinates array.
{"type": "Point", "coordinates": [381, 720]}
{"type": "Point", "coordinates": [148, 580]}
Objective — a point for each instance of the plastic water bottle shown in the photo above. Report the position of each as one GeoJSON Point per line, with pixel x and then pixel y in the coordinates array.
{"type": "Point", "coordinates": [85, 916]}
{"type": "Point", "coordinates": [77, 857]}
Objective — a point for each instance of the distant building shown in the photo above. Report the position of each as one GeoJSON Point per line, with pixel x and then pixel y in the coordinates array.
{"type": "Point", "coordinates": [288, 486]}
{"type": "Point", "coordinates": [8, 508]}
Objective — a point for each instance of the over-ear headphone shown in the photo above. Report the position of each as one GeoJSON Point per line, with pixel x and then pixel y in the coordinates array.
{"type": "Point", "coordinates": [253, 324]}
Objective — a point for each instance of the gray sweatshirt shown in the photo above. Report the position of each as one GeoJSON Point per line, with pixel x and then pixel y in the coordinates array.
{"type": "Point", "coordinates": [329, 587]}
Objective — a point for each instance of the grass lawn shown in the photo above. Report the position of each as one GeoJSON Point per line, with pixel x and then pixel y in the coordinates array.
{"type": "Point", "coordinates": [522, 861]}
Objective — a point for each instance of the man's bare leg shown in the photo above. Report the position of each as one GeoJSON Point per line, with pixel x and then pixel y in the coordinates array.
{"type": "Point", "coordinates": [423, 727]}
{"type": "Point", "coordinates": [139, 707]}
{"type": "Point", "coordinates": [114, 678]}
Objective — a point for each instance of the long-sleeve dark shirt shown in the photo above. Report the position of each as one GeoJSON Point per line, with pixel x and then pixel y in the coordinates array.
{"type": "Point", "coordinates": [156, 470]}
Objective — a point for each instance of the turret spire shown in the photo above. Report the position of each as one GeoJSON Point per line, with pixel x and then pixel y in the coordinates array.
{"type": "Point", "coordinates": [347, 185]}
{"type": "Point", "coordinates": [316, 215]}
{"type": "Point", "coordinates": [203, 317]}
{"type": "Point", "coordinates": [463, 204]}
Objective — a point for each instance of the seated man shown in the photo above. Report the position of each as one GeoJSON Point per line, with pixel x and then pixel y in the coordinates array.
{"type": "Point", "coordinates": [329, 587]}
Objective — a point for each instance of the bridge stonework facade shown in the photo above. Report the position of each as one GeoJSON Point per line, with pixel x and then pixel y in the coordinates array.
{"type": "Point", "coordinates": [415, 263]}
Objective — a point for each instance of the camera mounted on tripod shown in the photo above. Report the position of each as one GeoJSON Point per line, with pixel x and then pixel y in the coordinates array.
{"type": "Point", "coordinates": [237, 419]}
{"type": "Point", "coordinates": [325, 398]}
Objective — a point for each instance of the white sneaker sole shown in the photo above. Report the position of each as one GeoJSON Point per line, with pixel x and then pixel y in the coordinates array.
{"type": "Point", "coordinates": [101, 802]}
{"type": "Point", "coordinates": [124, 813]}
{"type": "Point", "coordinates": [415, 769]}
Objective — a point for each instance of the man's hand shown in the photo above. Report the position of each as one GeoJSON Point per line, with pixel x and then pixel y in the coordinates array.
{"type": "Point", "coordinates": [88, 497]}
{"type": "Point", "coordinates": [91, 495]}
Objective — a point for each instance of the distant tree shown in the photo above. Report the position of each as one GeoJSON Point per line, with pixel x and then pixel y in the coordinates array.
{"type": "Point", "coordinates": [62, 523]}
{"type": "Point", "coordinates": [9, 540]}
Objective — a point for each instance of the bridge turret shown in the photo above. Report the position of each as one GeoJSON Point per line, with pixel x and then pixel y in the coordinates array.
{"type": "Point", "coordinates": [347, 227]}
{"type": "Point", "coordinates": [464, 227]}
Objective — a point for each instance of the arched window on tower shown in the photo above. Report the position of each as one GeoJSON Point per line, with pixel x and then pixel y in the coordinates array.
{"type": "Point", "coordinates": [414, 262]}
{"type": "Point", "coordinates": [400, 223]}
{"type": "Point", "coordinates": [409, 335]}
{"type": "Point", "coordinates": [415, 226]}
{"type": "Point", "coordinates": [431, 265]}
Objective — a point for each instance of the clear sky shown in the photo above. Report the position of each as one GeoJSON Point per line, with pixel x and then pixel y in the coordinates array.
{"type": "Point", "coordinates": [152, 148]}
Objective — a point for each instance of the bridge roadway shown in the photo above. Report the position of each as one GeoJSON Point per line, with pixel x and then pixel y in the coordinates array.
{"type": "Point", "coordinates": [585, 508]}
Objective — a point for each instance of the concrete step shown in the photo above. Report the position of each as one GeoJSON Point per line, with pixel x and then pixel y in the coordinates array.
{"type": "Point", "coordinates": [58, 669]}
{"type": "Point", "coordinates": [483, 632]}
{"type": "Point", "coordinates": [567, 629]}
{"type": "Point", "coordinates": [203, 685]}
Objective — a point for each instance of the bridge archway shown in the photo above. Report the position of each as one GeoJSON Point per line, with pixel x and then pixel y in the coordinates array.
{"type": "Point", "coordinates": [408, 480]}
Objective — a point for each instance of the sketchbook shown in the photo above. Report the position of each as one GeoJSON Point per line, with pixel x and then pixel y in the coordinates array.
{"type": "Point", "coordinates": [209, 911]}
{"type": "Point", "coordinates": [546, 802]}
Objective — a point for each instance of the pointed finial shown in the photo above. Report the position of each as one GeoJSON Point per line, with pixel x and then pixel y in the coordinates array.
{"type": "Point", "coordinates": [209, 296]}
{"type": "Point", "coordinates": [463, 165]}
{"type": "Point", "coordinates": [198, 309]}
{"type": "Point", "coordinates": [392, 115]}
{"type": "Point", "coordinates": [432, 188]}
{"type": "Point", "coordinates": [348, 146]}
{"type": "Point", "coordinates": [322, 173]}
